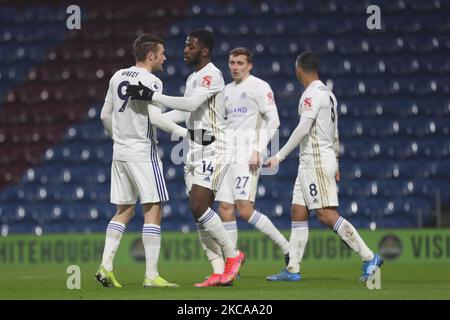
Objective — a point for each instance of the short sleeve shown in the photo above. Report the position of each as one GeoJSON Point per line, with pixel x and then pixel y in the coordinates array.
{"type": "Point", "coordinates": [209, 83]}
{"type": "Point", "coordinates": [310, 104]}
{"type": "Point", "coordinates": [265, 98]}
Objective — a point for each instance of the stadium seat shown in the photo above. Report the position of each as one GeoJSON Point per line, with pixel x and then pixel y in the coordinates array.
{"type": "Point", "coordinates": [393, 112]}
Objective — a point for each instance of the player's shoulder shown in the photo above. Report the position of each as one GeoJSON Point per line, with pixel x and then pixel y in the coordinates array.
{"type": "Point", "coordinates": [254, 79]}
{"type": "Point", "coordinates": [210, 77]}
{"type": "Point", "coordinates": [150, 80]}
{"type": "Point", "coordinates": [117, 74]}
{"type": "Point", "coordinates": [330, 92]}
{"type": "Point", "coordinates": [134, 72]}
{"type": "Point", "coordinates": [191, 76]}
{"type": "Point", "coordinates": [211, 67]}
{"type": "Point", "coordinates": [316, 88]}
{"type": "Point", "coordinates": [230, 85]}
{"type": "Point", "coordinates": [148, 76]}
{"type": "Point", "coordinates": [258, 83]}
{"type": "Point", "coordinates": [211, 70]}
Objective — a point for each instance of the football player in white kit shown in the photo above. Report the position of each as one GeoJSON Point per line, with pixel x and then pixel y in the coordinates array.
{"type": "Point", "coordinates": [252, 120]}
{"type": "Point", "coordinates": [315, 187]}
{"type": "Point", "coordinates": [208, 161]}
{"type": "Point", "coordinates": [136, 169]}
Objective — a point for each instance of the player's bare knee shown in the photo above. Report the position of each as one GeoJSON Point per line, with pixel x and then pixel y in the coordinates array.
{"type": "Point", "coordinates": [128, 214]}
{"type": "Point", "coordinates": [245, 209]}
{"type": "Point", "coordinates": [125, 211]}
{"type": "Point", "coordinates": [124, 217]}
{"type": "Point", "coordinates": [299, 213]}
{"type": "Point", "coordinates": [200, 199]}
{"type": "Point", "coordinates": [322, 217]}
{"type": "Point", "coordinates": [326, 217]}
{"type": "Point", "coordinates": [226, 211]}
{"type": "Point", "coordinates": [295, 213]}
{"type": "Point", "coordinates": [197, 207]}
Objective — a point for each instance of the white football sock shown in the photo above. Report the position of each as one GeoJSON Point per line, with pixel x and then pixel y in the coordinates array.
{"type": "Point", "coordinates": [114, 233]}
{"type": "Point", "coordinates": [297, 244]}
{"type": "Point", "coordinates": [351, 237]}
{"type": "Point", "coordinates": [212, 224]}
{"type": "Point", "coordinates": [212, 250]}
{"type": "Point", "coordinates": [263, 224]}
{"type": "Point", "coordinates": [151, 238]}
{"type": "Point", "coordinates": [232, 231]}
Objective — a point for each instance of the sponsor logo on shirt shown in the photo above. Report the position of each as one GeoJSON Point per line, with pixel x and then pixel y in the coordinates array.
{"type": "Point", "coordinates": [206, 81]}
{"type": "Point", "coordinates": [239, 109]}
{"type": "Point", "coordinates": [270, 99]}
{"type": "Point", "coordinates": [307, 103]}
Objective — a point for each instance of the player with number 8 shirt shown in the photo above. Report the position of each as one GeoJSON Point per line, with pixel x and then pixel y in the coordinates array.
{"type": "Point", "coordinates": [315, 186]}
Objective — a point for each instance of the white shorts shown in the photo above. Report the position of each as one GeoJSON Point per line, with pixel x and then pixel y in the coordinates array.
{"type": "Point", "coordinates": [316, 188]}
{"type": "Point", "coordinates": [206, 168]}
{"type": "Point", "coordinates": [130, 180]}
{"type": "Point", "coordinates": [239, 184]}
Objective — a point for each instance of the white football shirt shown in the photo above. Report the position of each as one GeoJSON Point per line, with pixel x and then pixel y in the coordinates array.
{"type": "Point", "coordinates": [133, 134]}
{"type": "Point", "coordinates": [211, 114]}
{"type": "Point", "coordinates": [319, 103]}
{"type": "Point", "coordinates": [245, 103]}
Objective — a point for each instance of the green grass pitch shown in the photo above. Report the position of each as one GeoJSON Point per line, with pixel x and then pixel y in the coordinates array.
{"type": "Point", "coordinates": [338, 280]}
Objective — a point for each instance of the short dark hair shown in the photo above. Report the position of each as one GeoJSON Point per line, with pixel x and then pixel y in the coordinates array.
{"type": "Point", "coordinates": [205, 37]}
{"type": "Point", "coordinates": [145, 43]}
{"type": "Point", "coordinates": [242, 51]}
{"type": "Point", "coordinates": [308, 61]}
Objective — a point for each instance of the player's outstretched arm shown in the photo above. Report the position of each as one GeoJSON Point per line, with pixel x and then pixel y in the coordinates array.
{"type": "Point", "coordinates": [336, 144]}
{"type": "Point", "coordinates": [300, 132]}
{"type": "Point", "coordinates": [189, 104]}
{"type": "Point", "coordinates": [270, 123]}
{"type": "Point", "coordinates": [176, 116]}
{"type": "Point", "coordinates": [163, 122]}
{"type": "Point", "coordinates": [106, 117]}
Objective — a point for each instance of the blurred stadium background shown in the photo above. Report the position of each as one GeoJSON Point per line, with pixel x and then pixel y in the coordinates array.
{"type": "Point", "coordinates": [392, 86]}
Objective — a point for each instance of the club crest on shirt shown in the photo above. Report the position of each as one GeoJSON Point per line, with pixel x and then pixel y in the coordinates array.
{"type": "Point", "coordinates": [243, 95]}
{"type": "Point", "coordinates": [206, 81]}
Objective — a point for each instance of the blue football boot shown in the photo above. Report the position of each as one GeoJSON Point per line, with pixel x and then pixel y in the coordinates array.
{"type": "Point", "coordinates": [369, 267]}
{"type": "Point", "coordinates": [285, 276]}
